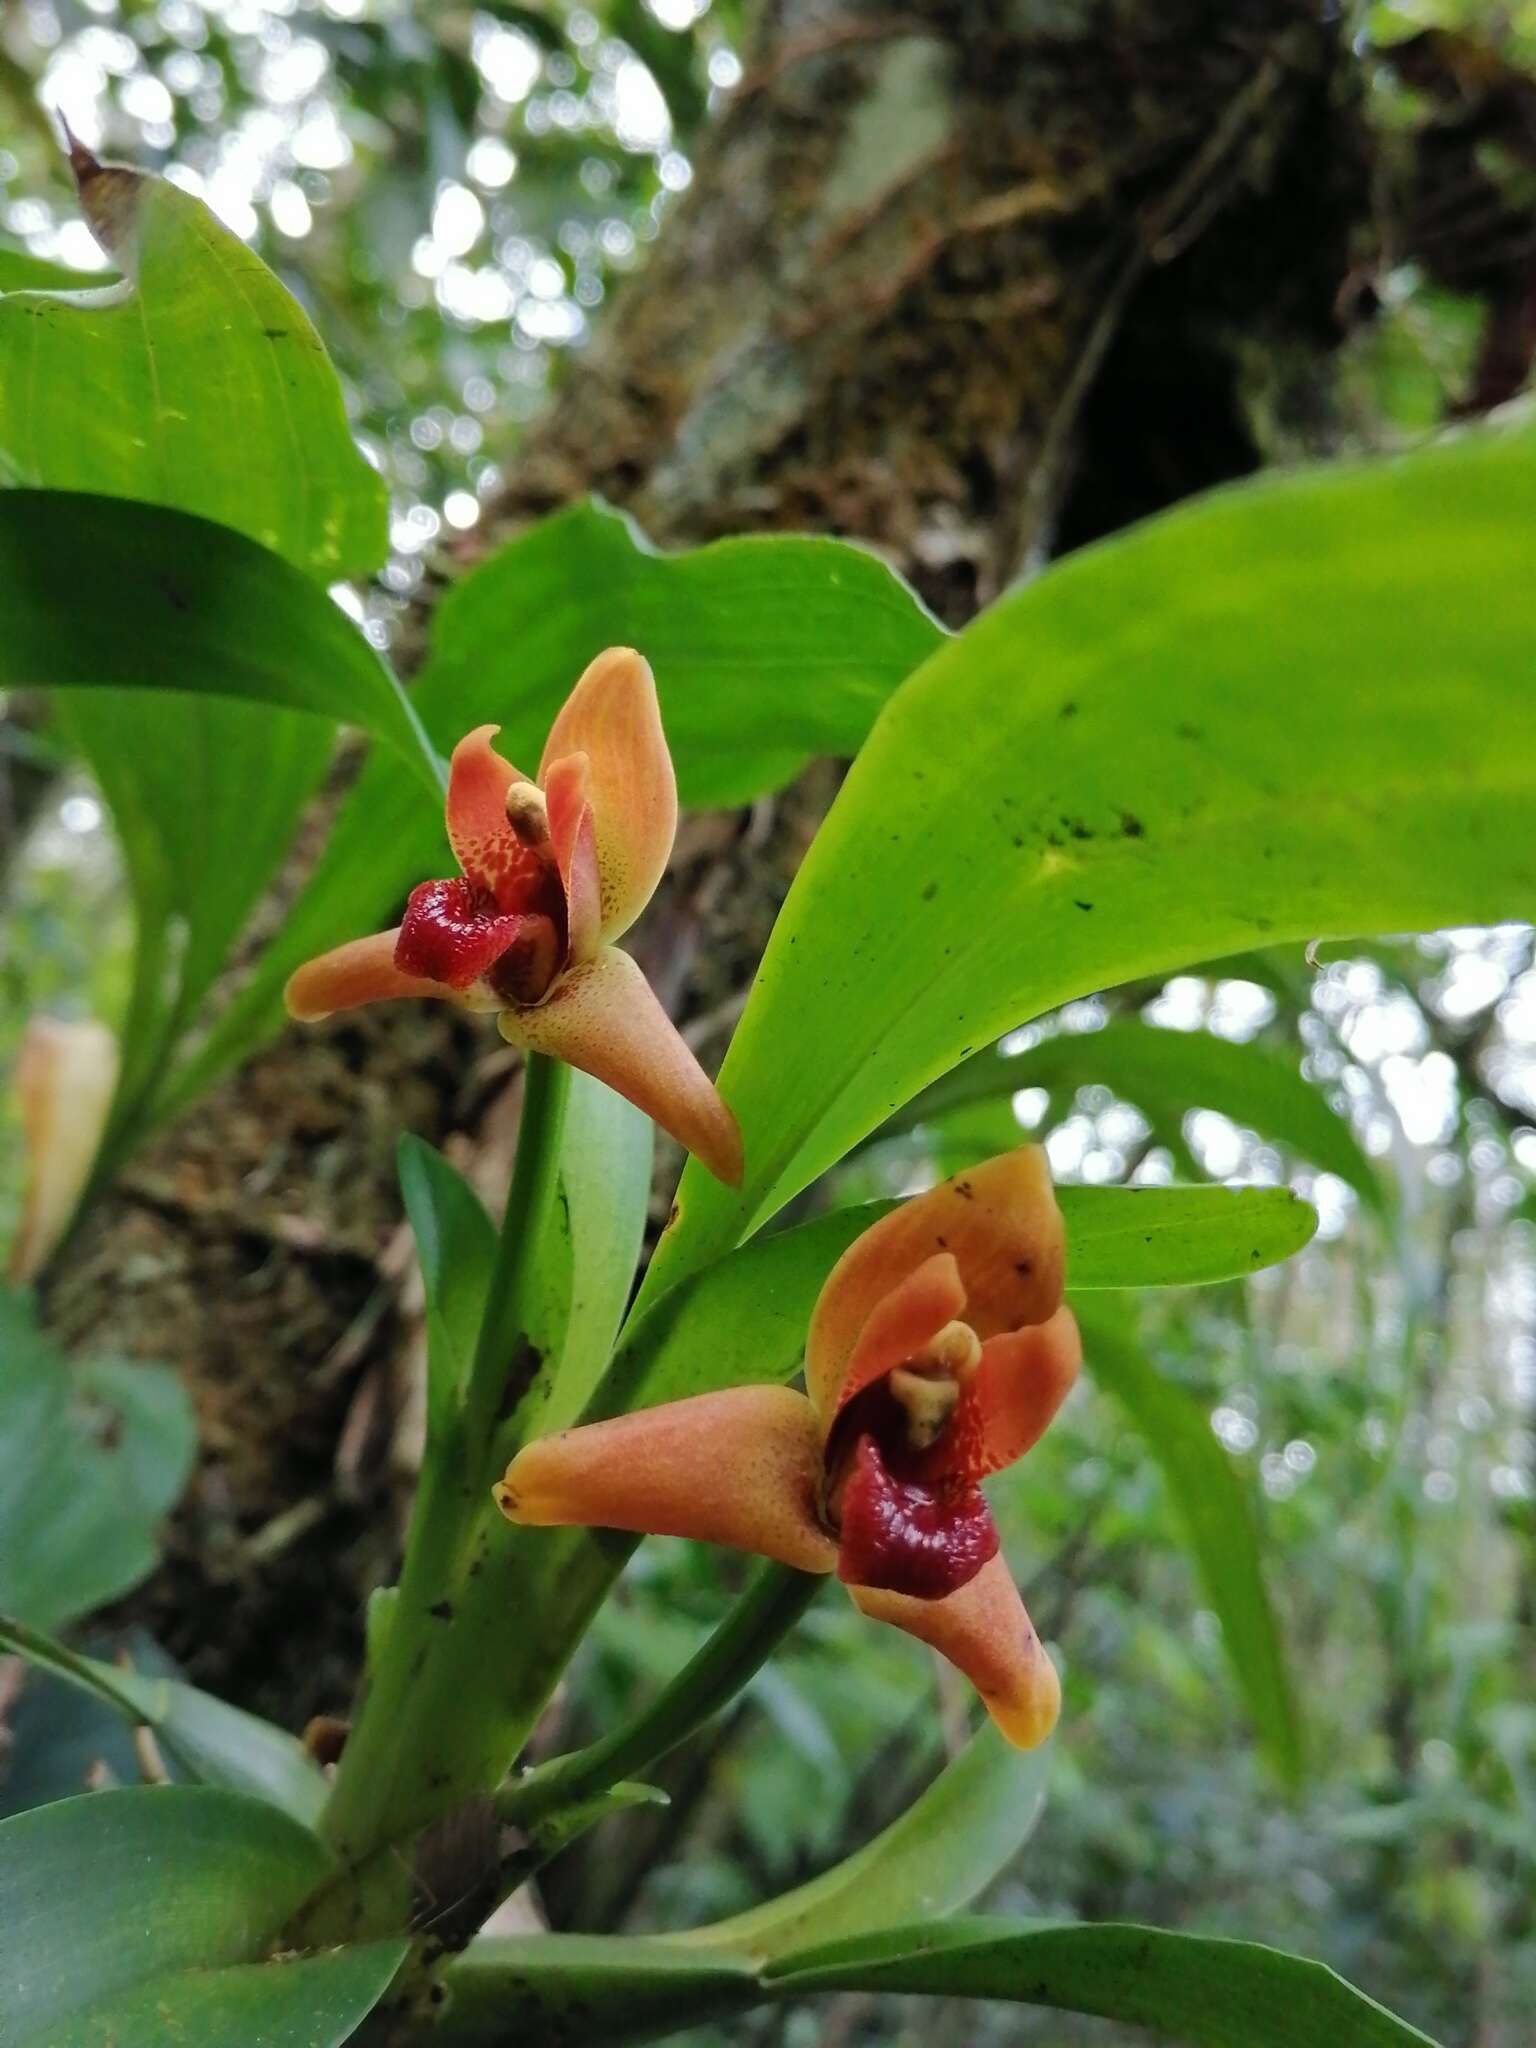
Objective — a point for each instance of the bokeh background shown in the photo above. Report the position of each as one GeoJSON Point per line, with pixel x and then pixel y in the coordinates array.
{"type": "Point", "coordinates": [455, 193]}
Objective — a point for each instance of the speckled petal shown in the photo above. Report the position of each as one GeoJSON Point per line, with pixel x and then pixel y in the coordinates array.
{"type": "Point", "coordinates": [612, 716]}
{"type": "Point", "coordinates": [1001, 1223]}
{"type": "Point", "coordinates": [484, 844]}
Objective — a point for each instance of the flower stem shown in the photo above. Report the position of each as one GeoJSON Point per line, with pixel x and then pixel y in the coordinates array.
{"type": "Point", "coordinates": [427, 1735]}
{"type": "Point", "coordinates": [742, 1643]}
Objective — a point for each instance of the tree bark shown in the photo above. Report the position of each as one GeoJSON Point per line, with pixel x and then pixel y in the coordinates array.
{"type": "Point", "coordinates": [970, 283]}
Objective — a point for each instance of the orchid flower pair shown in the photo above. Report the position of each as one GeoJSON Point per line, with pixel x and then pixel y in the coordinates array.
{"type": "Point", "coordinates": [938, 1351]}
{"type": "Point", "coordinates": [939, 1348]}
{"type": "Point", "coordinates": [552, 872]}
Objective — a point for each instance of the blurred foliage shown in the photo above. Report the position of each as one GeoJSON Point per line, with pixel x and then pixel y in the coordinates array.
{"type": "Point", "coordinates": [452, 193]}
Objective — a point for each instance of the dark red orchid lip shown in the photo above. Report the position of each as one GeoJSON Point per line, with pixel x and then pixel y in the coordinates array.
{"type": "Point", "coordinates": [901, 1537]}
{"type": "Point", "coordinates": [454, 932]}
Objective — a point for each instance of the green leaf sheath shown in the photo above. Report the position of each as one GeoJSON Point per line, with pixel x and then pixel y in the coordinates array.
{"type": "Point", "coordinates": [1346, 743]}
{"type": "Point", "coordinates": [1214, 1501]}
{"type": "Point", "coordinates": [198, 383]}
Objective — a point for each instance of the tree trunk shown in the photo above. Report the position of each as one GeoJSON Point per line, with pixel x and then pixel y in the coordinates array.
{"type": "Point", "coordinates": [970, 283]}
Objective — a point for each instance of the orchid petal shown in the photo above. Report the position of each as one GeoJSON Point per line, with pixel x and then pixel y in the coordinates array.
{"type": "Point", "coordinates": [604, 1018]}
{"type": "Point", "coordinates": [1001, 1222]}
{"type": "Point", "coordinates": [612, 717]}
{"type": "Point", "coordinates": [65, 1077]}
{"type": "Point", "coordinates": [574, 839]}
{"type": "Point", "coordinates": [484, 843]}
{"type": "Point", "coordinates": [985, 1632]}
{"type": "Point", "coordinates": [741, 1467]}
{"type": "Point", "coordinates": [1006, 1404]}
{"type": "Point", "coordinates": [362, 971]}
{"type": "Point", "coordinates": [898, 1327]}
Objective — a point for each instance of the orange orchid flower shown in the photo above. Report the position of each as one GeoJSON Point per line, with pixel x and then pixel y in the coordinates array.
{"type": "Point", "coordinates": [938, 1351]}
{"type": "Point", "coordinates": [552, 872]}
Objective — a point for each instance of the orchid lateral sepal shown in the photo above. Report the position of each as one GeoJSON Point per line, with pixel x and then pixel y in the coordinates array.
{"type": "Point", "coordinates": [919, 1384]}
{"type": "Point", "coordinates": [553, 871]}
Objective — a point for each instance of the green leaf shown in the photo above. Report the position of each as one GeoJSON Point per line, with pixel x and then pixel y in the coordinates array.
{"type": "Point", "coordinates": [213, 1741]}
{"type": "Point", "coordinates": [299, 2002]}
{"type": "Point", "coordinates": [1185, 1987]}
{"type": "Point", "coordinates": [224, 1874]}
{"type": "Point", "coordinates": [456, 1244]}
{"type": "Point", "coordinates": [197, 864]}
{"type": "Point", "coordinates": [969, 1824]}
{"type": "Point", "coordinates": [1215, 1503]}
{"type": "Point", "coordinates": [91, 1459]}
{"type": "Point", "coordinates": [767, 650]}
{"type": "Point", "coordinates": [744, 1318]}
{"type": "Point", "coordinates": [1158, 752]}
{"type": "Point", "coordinates": [1167, 1073]}
{"type": "Point", "coordinates": [605, 1185]}
{"type": "Point", "coordinates": [1179, 1237]}
{"type": "Point", "coordinates": [179, 604]}
{"type": "Point", "coordinates": [208, 387]}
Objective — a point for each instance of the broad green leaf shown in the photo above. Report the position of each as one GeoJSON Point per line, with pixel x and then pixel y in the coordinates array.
{"type": "Point", "coordinates": [1158, 752]}
{"type": "Point", "coordinates": [1166, 1073]}
{"type": "Point", "coordinates": [214, 1742]}
{"type": "Point", "coordinates": [744, 1318]}
{"type": "Point", "coordinates": [208, 387]}
{"type": "Point", "coordinates": [92, 1456]}
{"type": "Point", "coordinates": [949, 1844]}
{"type": "Point", "coordinates": [225, 1873]}
{"type": "Point", "coordinates": [605, 1184]}
{"type": "Point", "coordinates": [456, 1244]}
{"type": "Point", "coordinates": [179, 604]}
{"type": "Point", "coordinates": [767, 650]}
{"type": "Point", "coordinates": [299, 2002]}
{"type": "Point", "coordinates": [1179, 1237]}
{"type": "Point", "coordinates": [1188, 1988]}
{"type": "Point", "coordinates": [203, 814]}
{"type": "Point", "coordinates": [1194, 1989]}
{"type": "Point", "coordinates": [1215, 1503]}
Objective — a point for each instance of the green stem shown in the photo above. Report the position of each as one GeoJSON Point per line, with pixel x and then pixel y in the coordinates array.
{"type": "Point", "coordinates": [431, 1724]}
{"type": "Point", "coordinates": [742, 1643]}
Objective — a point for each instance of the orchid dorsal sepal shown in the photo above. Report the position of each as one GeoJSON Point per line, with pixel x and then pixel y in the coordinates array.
{"type": "Point", "coordinates": [554, 869]}
{"type": "Point", "coordinates": [938, 1351]}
